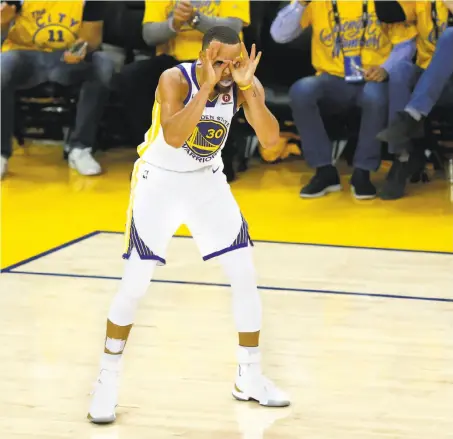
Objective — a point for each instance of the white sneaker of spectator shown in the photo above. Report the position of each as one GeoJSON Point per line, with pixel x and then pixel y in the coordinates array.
{"type": "Point", "coordinates": [3, 167]}
{"type": "Point", "coordinates": [83, 162]}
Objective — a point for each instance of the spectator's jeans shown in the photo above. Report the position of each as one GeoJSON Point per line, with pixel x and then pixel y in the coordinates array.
{"type": "Point", "coordinates": [334, 95]}
{"type": "Point", "coordinates": [22, 69]}
{"type": "Point", "coordinates": [432, 86]}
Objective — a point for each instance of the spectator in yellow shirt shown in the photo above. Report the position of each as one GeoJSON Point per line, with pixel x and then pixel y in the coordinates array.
{"type": "Point", "coordinates": [36, 49]}
{"type": "Point", "coordinates": [176, 28]}
{"type": "Point", "coordinates": [354, 55]}
{"type": "Point", "coordinates": [432, 77]}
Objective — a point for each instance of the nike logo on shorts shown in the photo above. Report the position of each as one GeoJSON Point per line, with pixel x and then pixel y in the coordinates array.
{"type": "Point", "coordinates": [214, 171]}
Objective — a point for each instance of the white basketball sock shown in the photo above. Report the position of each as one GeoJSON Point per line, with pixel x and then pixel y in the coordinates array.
{"type": "Point", "coordinates": [240, 270]}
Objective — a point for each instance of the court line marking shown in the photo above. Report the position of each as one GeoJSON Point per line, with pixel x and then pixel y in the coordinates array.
{"type": "Point", "coordinates": [12, 267]}
{"type": "Point", "coordinates": [50, 251]}
{"type": "Point", "coordinates": [260, 287]}
{"type": "Point", "coordinates": [354, 247]}
{"type": "Point", "coordinates": [99, 232]}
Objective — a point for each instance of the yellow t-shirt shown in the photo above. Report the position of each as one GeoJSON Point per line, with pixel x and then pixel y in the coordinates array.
{"type": "Point", "coordinates": [419, 12]}
{"type": "Point", "coordinates": [379, 38]}
{"type": "Point", "coordinates": [187, 43]}
{"type": "Point", "coordinates": [45, 26]}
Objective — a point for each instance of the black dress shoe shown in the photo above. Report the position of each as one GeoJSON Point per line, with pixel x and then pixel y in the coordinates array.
{"type": "Point", "coordinates": [324, 181]}
{"type": "Point", "coordinates": [361, 185]}
{"type": "Point", "coordinates": [403, 129]}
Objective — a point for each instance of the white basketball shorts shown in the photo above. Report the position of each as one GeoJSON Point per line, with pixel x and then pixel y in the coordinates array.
{"type": "Point", "coordinates": [162, 200]}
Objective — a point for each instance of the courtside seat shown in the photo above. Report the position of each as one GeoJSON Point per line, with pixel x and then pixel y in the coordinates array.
{"type": "Point", "coordinates": [45, 111]}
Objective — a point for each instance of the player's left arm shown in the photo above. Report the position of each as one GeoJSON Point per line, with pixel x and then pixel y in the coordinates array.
{"type": "Point", "coordinates": [258, 115]}
{"type": "Point", "coordinates": [251, 97]}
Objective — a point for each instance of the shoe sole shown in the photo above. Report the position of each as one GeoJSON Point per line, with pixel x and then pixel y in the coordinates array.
{"type": "Point", "coordinates": [244, 398]}
{"type": "Point", "coordinates": [101, 421]}
{"type": "Point", "coordinates": [327, 190]}
{"type": "Point", "coordinates": [72, 166]}
{"type": "Point", "coordinates": [362, 197]}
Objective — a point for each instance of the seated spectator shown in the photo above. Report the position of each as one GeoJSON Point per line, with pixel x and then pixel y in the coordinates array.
{"type": "Point", "coordinates": [39, 36]}
{"type": "Point", "coordinates": [433, 76]}
{"type": "Point", "coordinates": [177, 29]}
{"type": "Point", "coordinates": [354, 55]}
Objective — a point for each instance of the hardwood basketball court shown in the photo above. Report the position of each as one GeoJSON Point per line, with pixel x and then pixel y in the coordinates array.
{"type": "Point", "coordinates": [358, 322]}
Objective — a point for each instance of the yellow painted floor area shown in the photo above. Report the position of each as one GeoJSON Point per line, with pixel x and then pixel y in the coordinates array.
{"type": "Point", "coordinates": [44, 204]}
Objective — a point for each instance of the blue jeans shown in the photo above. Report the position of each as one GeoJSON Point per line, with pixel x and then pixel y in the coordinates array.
{"type": "Point", "coordinates": [432, 86]}
{"type": "Point", "coordinates": [337, 96]}
{"type": "Point", "coordinates": [21, 69]}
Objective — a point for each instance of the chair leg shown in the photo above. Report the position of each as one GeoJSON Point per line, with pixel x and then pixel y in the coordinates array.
{"type": "Point", "coordinates": [67, 136]}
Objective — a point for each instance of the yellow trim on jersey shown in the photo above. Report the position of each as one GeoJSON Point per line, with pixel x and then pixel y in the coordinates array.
{"type": "Point", "coordinates": [153, 131]}
{"type": "Point", "coordinates": [134, 180]}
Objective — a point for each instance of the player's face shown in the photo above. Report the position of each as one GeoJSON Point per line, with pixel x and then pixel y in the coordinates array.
{"type": "Point", "coordinates": [227, 52]}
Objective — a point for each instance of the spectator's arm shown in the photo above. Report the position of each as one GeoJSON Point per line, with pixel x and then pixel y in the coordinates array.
{"type": "Point", "coordinates": [287, 25]}
{"type": "Point", "coordinates": [8, 14]}
{"type": "Point", "coordinates": [404, 51]}
{"type": "Point", "coordinates": [207, 22]}
{"type": "Point", "coordinates": [92, 24]}
{"type": "Point", "coordinates": [158, 33]}
{"type": "Point", "coordinates": [157, 25]}
{"type": "Point", "coordinates": [161, 32]}
{"type": "Point", "coordinates": [449, 5]}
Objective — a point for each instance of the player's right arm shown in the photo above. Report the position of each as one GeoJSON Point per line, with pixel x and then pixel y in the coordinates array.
{"type": "Point", "coordinates": [178, 120]}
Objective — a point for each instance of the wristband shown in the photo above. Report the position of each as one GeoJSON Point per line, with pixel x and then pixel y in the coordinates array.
{"type": "Point", "coordinates": [246, 87]}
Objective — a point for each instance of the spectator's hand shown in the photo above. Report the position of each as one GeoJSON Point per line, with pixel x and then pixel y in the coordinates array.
{"type": "Point", "coordinates": [70, 57]}
{"type": "Point", "coordinates": [376, 74]}
{"type": "Point", "coordinates": [212, 76]}
{"type": "Point", "coordinates": [182, 14]}
{"type": "Point", "coordinates": [449, 5]}
{"type": "Point", "coordinates": [243, 68]}
{"type": "Point", "coordinates": [8, 12]}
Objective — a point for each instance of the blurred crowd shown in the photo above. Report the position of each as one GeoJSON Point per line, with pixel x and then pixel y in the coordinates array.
{"type": "Point", "coordinates": [389, 63]}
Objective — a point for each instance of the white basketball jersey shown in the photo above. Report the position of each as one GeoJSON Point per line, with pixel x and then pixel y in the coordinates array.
{"type": "Point", "coordinates": [203, 147]}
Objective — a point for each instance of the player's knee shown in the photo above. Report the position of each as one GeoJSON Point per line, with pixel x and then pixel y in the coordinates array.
{"type": "Point", "coordinates": [238, 265]}
{"type": "Point", "coordinates": [137, 276]}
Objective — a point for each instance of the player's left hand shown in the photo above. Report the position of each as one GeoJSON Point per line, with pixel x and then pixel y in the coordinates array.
{"type": "Point", "coordinates": [376, 74]}
{"type": "Point", "coordinates": [243, 68]}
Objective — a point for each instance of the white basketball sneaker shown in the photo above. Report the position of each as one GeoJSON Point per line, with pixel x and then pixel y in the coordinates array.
{"type": "Point", "coordinates": [105, 397]}
{"type": "Point", "coordinates": [3, 167]}
{"type": "Point", "coordinates": [83, 162]}
{"type": "Point", "coordinates": [251, 384]}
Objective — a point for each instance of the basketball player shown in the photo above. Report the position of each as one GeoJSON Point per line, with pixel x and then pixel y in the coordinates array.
{"type": "Point", "coordinates": [178, 179]}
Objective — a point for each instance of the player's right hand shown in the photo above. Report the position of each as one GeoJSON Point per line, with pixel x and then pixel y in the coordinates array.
{"type": "Point", "coordinates": [8, 12]}
{"type": "Point", "coordinates": [182, 14]}
{"type": "Point", "coordinates": [212, 75]}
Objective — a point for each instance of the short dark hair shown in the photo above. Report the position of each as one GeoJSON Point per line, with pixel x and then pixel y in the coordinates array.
{"type": "Point", "coordinates": [222, 34]}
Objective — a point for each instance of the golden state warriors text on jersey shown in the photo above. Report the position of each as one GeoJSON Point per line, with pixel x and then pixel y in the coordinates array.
{"type": "Point", "coordinates": [204, 145]}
